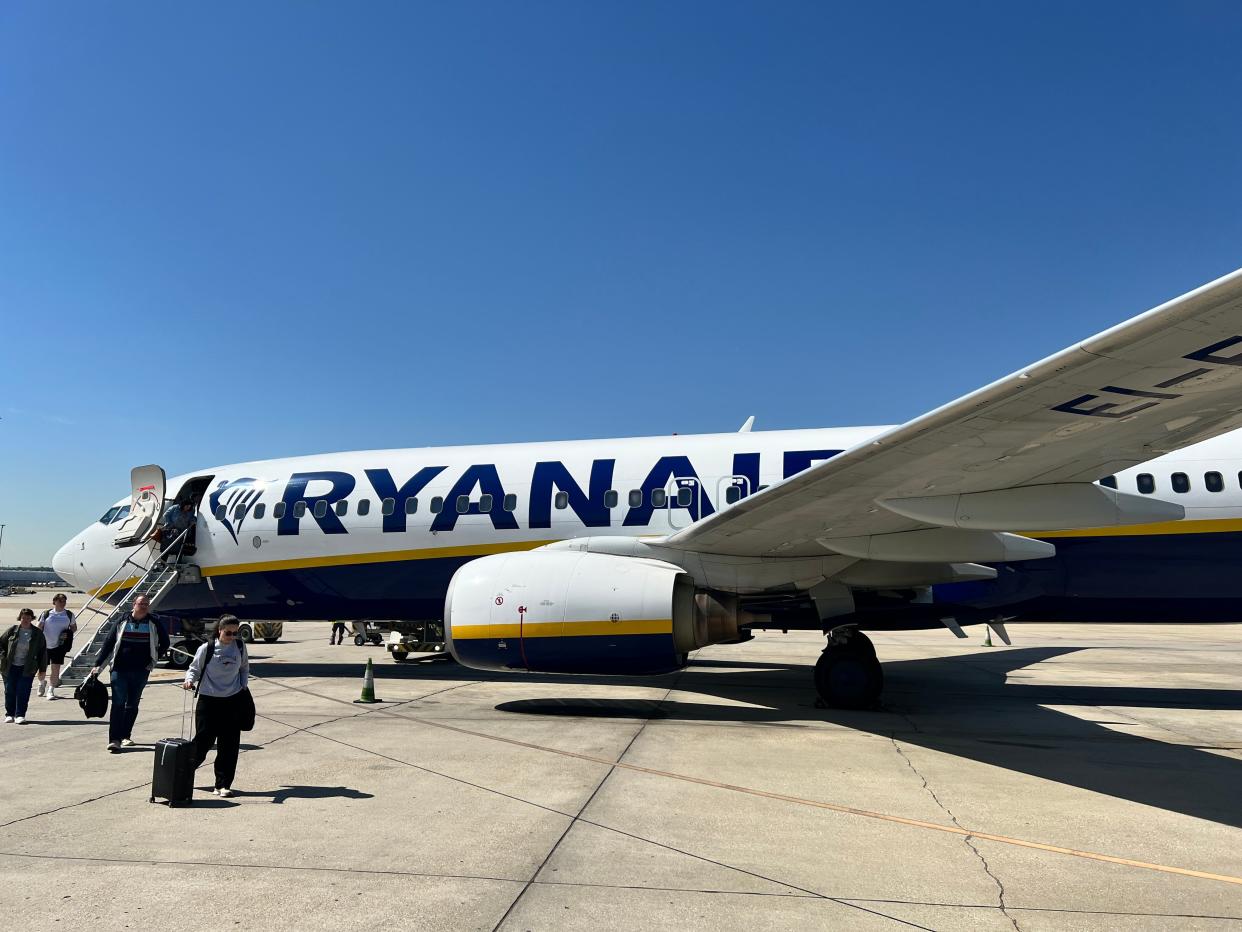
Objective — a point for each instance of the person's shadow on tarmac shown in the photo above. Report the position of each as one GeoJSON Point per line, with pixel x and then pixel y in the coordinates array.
{"type": "Point", "coordinates": [306, 792]}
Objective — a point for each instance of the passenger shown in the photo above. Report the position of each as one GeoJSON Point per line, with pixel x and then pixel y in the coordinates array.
{"type": "Point", "coordinates": [131, 649]}
{"type": "Point", "coordinates": [223, 700]}
{"type": "Point", "coordinates": [23, 651]}
{"type": "Point", "coordinates": [179, 517]}
{"type": "Point", "coordinates": [58, 625]}
{"type": "Point", "coordinates": [338, 633]}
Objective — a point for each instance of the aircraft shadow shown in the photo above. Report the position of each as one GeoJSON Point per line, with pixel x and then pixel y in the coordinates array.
{"type": "Point", "coordinates": [973, 706]}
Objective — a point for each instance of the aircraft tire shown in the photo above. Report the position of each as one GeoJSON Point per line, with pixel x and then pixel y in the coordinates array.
{"type": "Point", "coordinates": [847, 677]}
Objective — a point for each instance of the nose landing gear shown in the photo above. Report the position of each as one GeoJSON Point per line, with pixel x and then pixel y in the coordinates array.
{"type": "Point", "coordinates": [847, 674]}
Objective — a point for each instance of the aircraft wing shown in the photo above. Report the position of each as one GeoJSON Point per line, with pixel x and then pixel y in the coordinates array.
{"type": "Point", "coordinates": [1019, 454]}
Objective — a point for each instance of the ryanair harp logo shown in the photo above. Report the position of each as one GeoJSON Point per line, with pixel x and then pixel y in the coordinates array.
{"type": "Point", "coordinates": [231, 503]}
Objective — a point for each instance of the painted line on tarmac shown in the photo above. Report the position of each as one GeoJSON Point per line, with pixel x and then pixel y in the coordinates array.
{"type": "Point", "coordinates": [813, 803]}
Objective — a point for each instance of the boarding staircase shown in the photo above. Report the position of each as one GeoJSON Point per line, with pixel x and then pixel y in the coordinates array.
{"type": "Point", "coordinates": [154, 581]}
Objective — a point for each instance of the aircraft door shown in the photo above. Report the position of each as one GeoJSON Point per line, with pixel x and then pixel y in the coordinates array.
{"type": "Point", "coordinates": [685, 501]}
{"type": "Point", "coordinates": [145, 505]}
{"type": "Point", "coordinates": [730, 490]}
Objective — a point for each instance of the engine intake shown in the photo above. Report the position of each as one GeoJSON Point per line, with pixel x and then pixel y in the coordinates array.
{"type": "Point", "coordinates": [573, 612]}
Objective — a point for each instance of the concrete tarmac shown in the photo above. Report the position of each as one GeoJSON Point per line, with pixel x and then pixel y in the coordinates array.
{"type": "Point", "coordinates": [1085, 778]}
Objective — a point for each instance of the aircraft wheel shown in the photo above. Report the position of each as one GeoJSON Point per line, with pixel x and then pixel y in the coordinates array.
{"type": "Point", "coordinates": [849, 678]}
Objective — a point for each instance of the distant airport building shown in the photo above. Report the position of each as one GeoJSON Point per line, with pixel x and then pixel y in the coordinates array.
{"type": "Point", "coordinates": [22, 576]}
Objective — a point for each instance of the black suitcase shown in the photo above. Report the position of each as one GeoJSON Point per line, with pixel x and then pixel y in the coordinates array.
{"type": "Point", "coordinates": [173, 779]}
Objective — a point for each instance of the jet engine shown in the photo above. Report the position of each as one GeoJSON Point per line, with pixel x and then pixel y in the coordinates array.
{"type": "Point", "coordinates": [572, 612]}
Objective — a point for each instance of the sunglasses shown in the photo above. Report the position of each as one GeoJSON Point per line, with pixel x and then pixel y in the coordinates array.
{"type": "Point", "coordinates": [230, 634]}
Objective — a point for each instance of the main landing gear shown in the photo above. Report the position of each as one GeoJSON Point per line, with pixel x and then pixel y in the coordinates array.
{"type": "Point", "coordinates": [847, 674]}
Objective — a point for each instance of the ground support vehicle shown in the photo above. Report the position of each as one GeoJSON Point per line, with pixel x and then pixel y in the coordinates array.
{"type": "Point", "coordinates": [416, 637]}
{"type": "Point", "coordinates": [267, 631]}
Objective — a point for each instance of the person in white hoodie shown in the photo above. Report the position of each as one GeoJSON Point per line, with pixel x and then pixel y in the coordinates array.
{"type": "Point", "coordinates": [220, 673]}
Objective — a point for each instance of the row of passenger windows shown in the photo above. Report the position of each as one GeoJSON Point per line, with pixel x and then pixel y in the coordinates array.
{"type": "Point", "coordinates": [659, 499]}
{"type": "Point", "coordinates": [1180, 482]}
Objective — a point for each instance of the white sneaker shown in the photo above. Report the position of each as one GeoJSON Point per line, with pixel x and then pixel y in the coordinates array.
{"type": "Point", "coordinates": [42, 688]}
{"type": "Point", "coordinates": [215, 791]}
{"type": "Point", "coordinates": [8, 720]}
{"type": "Point", "coordinates": [224, 792]}
{"type": "Point", "coordinates": [51, 693]}
{"type": "Point", "coordinates": [114, 746]}
{"type": "Point", "coordinates": [126, 743]}
{"type": "Point", "coordinates": [21, 720]}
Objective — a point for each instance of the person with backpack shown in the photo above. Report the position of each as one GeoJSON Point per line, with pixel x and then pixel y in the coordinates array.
{"type": "Point", "coordinates": [220, 674]}
{"type": "Point", "coordinates": [58, 625]}
{"type": "Point", "coordinates": [23, 652]}
{"type": "Point", "coordinates": [131, 649]}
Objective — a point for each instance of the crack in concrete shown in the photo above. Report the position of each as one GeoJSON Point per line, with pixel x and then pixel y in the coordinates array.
{"type": "Point", "coordinates": [968, 839]}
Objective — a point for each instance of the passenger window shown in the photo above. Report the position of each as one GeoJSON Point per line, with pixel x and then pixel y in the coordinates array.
{"type": "Point", "coordinates": [733, 494]}
{"type": "Point", "coordinates": [388, 506]}
{"type": "Point", "coordinates": [437, 505]}
{"type": "Point", "coordinates": [411, 506]}
{"type": "Point", "coordinates": [364, 507]}
{"type": "Point", "coordinates": [1146, 484]}
{"type": "Point", "coordinates": [239, 511]}
{"type": "Point", "coordinates": [485, 504]}
{"type": "Point", "coordinates": [220, 510]}
{"type": "Point", "coordinates": [1214, 482]}
{"type": "Point", "coordinates": [1181, 482]}
{"type": "Point", "coordinates": [299, 509]}
{"type": "Point", "coordinates": [685, 496]}
{"type": "Point", "coordinates": [1109, 482]}
{"type": "Point", "coordinates": [611, 498]}
{"type": "Point", "coordinates": [278, 510]}
{"type": "Point", "coordinates": [510, 503]}
{"type": "Point", "coordinates": [562, 500]}
{"type": "Point", "coordinates": [342, 508]}
{"type": "Point", "coordinates": [259, 510]}
{"type": "Point", "coordinates": [636, 498]}
{"type": "Point", "coordinates": [321, 508]}
{"type": "Point", "coordinates": [463, 504]}
{"type": "Point", "coordinates": [659, 498]}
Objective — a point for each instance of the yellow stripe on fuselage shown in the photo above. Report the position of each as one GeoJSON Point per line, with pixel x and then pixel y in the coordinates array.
{"type": "Point", "coordinates": [1192, 526]}
{"type": "Point", "coordinates": [553, 629]}
{"type": "Point", "coordinates": [386, 556]}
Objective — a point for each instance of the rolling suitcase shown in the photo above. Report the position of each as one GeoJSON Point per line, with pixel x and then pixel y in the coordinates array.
{"type": "Point", "coordinates": [173, 778]}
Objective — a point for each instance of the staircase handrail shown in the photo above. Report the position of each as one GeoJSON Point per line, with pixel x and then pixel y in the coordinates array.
{"type": "Point", "coordinates": [128, 561]}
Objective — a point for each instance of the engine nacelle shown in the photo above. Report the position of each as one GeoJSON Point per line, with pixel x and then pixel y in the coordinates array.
{"type": "Point", "coordinates": [570, 612]}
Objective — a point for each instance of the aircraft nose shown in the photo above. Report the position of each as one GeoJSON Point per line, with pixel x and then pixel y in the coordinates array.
{"type": "Point", "coordinates": [65, 566]}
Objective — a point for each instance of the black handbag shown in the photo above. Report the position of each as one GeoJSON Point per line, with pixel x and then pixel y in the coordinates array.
{"type": "Point", "coordinates": [245, 710]}
{"type": "Point", "coordinates": [92, 696]}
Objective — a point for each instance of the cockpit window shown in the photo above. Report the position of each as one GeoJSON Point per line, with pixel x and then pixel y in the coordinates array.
{"type": "Point", "coordinates": [121, 515]}
{"type": "Point", "coordinates": [107, 516]}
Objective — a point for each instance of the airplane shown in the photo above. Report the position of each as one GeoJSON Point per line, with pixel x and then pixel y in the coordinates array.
{"type": "Point", "coordinates": [624, 556]}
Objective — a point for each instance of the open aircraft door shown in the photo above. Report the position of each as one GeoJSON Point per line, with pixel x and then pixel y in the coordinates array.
{"type": "Point", "coordinates": [145, 505]}
{"type": "Point", "coordinates": [685, 501]}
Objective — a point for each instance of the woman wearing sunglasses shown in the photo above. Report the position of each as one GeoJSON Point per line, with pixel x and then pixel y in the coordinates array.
{"type": "Point", "coordinates": [220, 673]}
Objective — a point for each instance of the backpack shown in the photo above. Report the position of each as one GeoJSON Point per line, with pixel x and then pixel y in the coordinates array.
{"type": "Point", "coordinates": [92, 696]}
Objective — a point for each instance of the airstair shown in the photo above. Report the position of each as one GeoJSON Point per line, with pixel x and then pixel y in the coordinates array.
{"type": "Point", "coordinates": [154, 581]}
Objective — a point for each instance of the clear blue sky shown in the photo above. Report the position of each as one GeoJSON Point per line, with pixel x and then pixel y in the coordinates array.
{"type": "Point", "coordinates": [241, 230]}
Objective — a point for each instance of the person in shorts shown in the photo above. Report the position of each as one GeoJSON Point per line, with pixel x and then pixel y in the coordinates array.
{"type": "Point", "coordinates": [58, 625]}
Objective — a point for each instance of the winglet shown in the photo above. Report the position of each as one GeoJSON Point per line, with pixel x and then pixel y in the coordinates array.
{"type": "Point", "coordinates": [745, 428]}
